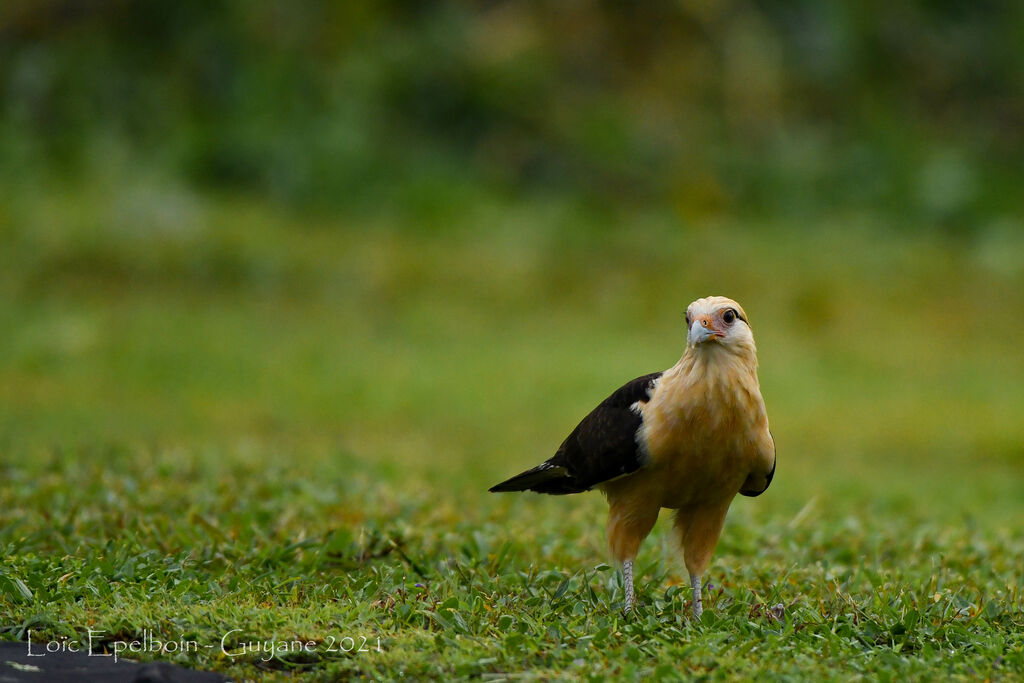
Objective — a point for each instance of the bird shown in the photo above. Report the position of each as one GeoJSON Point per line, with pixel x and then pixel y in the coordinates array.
{"type": "Point", "coordinates": [688, 439]}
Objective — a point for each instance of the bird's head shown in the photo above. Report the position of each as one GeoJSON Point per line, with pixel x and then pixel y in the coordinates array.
{"type": "Point", "coordinates": [716, 321]}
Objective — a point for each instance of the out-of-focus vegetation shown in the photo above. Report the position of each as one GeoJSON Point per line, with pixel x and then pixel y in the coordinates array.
{"type": "Point", "coordinates": [285, 287]}
{"type": "Point", "coordinates": [793, 109]}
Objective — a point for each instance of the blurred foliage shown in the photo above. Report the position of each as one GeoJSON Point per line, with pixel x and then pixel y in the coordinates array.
{"type": "Point", "coordinates": [792, 109]}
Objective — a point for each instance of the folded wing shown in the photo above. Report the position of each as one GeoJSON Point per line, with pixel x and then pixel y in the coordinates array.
{"type": "Point", "coordinates": [602, 447]}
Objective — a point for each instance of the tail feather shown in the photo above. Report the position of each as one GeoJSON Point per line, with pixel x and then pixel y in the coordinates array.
{"type": "Point", "coordinates": [544, 478]}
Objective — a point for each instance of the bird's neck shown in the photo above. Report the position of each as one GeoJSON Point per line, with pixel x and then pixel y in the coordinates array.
{"type": "Point", "coordinates": [706, 399]}
{"type": "Point", "coordinates": [717, 363]}
{"type": "Point", "coordinates": [715, 372]}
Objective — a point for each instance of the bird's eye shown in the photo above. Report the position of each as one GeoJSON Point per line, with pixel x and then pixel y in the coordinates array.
{"type": "Point", "coordinates": [729, 317]}
{"type": "Point", "coordinates": [687, 320]}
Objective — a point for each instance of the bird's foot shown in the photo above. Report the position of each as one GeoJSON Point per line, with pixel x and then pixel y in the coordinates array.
{"type": "Point", "coordinates": [627, 584]}
{"type": "Point", "coordinates": [698, 604]}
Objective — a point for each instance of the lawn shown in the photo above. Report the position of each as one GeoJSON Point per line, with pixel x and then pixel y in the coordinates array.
{"type": "Point", "coordinates": [230, 425]}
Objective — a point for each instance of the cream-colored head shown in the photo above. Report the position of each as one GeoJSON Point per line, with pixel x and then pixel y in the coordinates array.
{"type": "Point", "coordinates": [716, 321]}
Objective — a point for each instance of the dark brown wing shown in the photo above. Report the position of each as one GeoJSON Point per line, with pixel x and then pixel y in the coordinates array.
{"type": "Point", "coordinates": [754, 493]}
{"type": "Point", "coordinates": [603, 446]}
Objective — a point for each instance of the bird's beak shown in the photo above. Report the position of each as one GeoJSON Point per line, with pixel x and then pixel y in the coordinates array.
{"type": "Point", "coordinates": [702, 330]}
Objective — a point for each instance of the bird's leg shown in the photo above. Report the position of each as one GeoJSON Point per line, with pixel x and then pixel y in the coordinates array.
{"type": "Point", "coordinates": [627, 583]}
{"type": "Point", "coordinates": [699, 528]}
{"type": "Point", "coordinates": [629, 521]}
{"type": "Point", "coordinates": [698, 603]}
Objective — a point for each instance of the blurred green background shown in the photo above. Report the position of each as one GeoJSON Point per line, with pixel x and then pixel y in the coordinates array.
{"type": "Point", "coordinates": [433, 235]}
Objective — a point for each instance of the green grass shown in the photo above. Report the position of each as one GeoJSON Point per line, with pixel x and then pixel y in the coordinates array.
{"type": "Point", "coordinates": [287, 424]}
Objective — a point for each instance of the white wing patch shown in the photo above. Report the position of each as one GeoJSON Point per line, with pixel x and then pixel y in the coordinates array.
{"type": "Point", "coordinates": [641, 433]}
{"type": "Point", "coordinates": [638, 407]}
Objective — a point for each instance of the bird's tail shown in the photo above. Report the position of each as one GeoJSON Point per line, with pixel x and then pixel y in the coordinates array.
{"type": "Point", "coordinates": [544, 478]}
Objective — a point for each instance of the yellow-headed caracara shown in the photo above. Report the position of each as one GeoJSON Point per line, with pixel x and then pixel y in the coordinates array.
{"type": "Point", "coordinates": [689, 439]}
